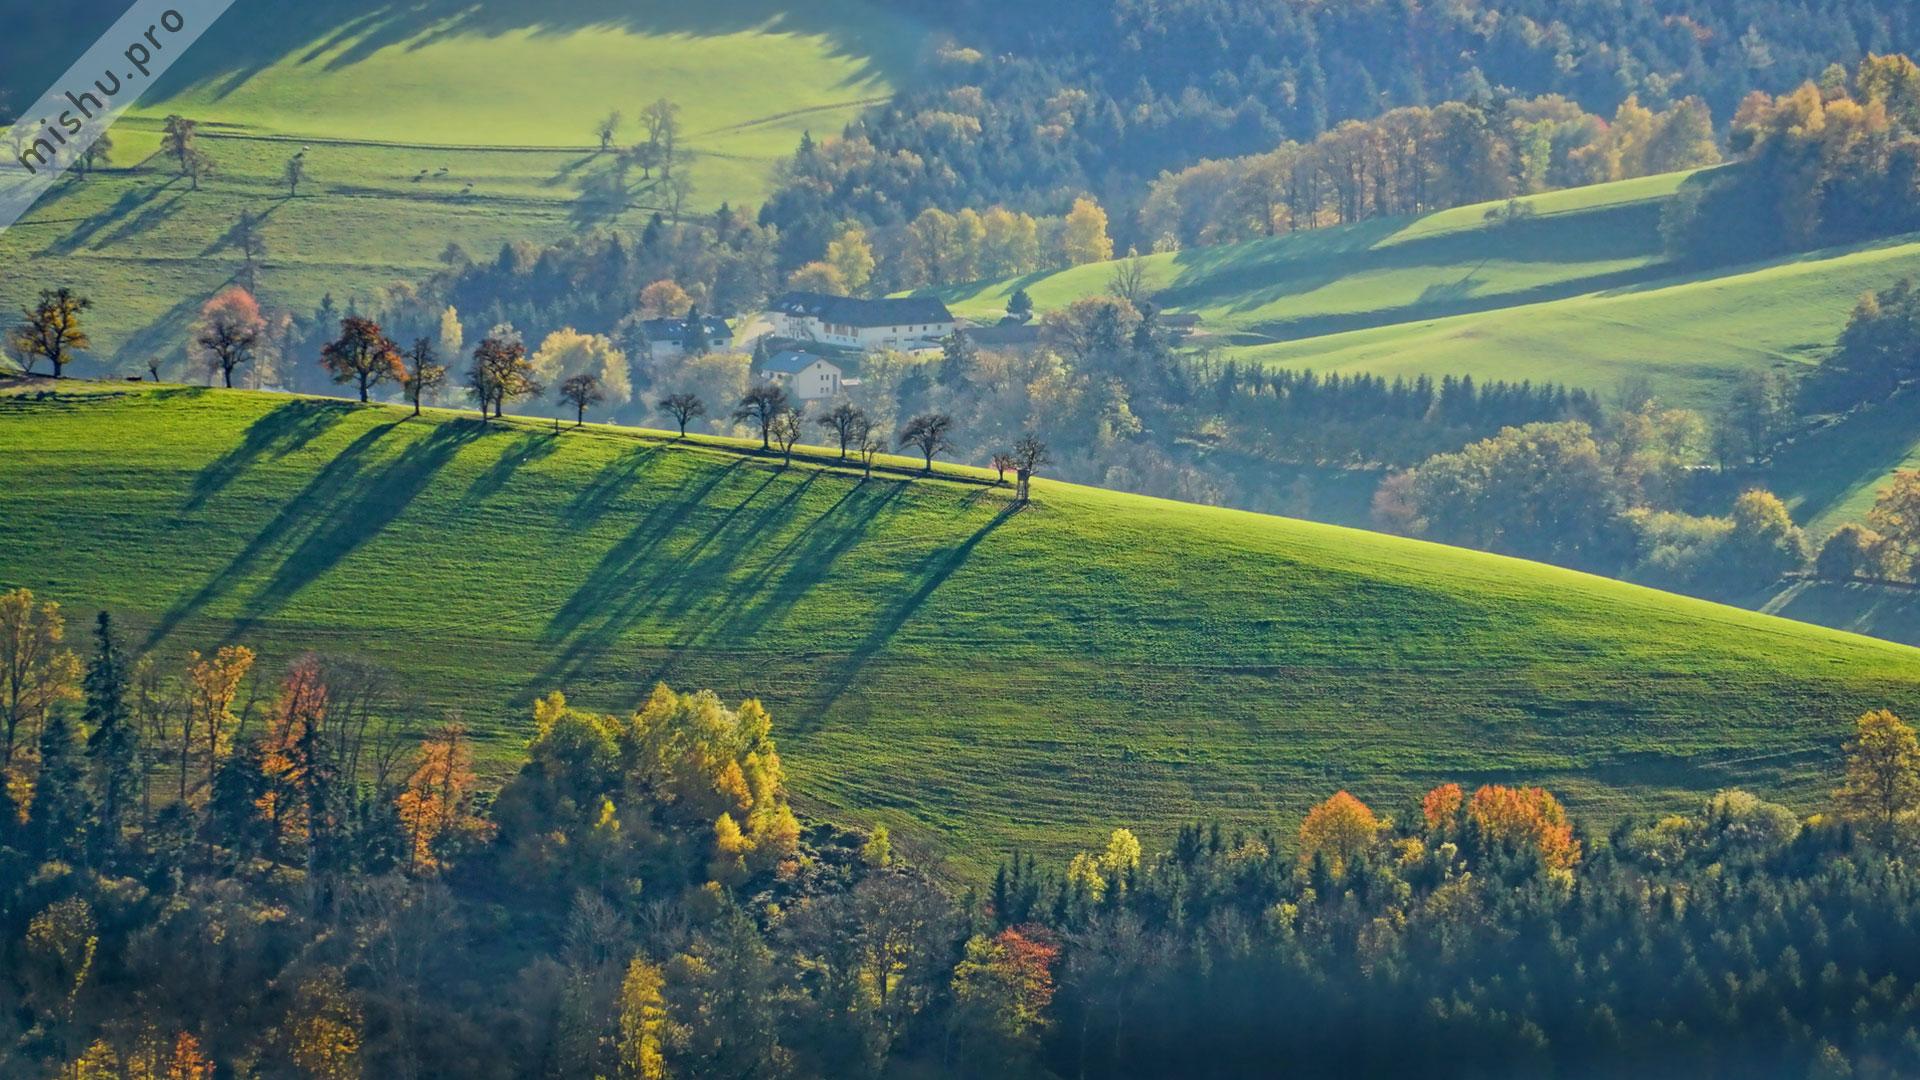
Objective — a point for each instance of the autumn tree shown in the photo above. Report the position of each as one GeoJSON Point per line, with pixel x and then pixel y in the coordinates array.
{"type": "Point", "coordinates": [362, 355]}
{"type": "Point", "coordinates": [582, 391]}
{"type": "Point", "coordinates": [1527, 818]}
{"type": "Point", "coordinates": [1085, 238]}
{"type": "Point", "coordinates": [436, 806]}
{"type": "Point", "coordinates": [229, 330]}
{"type": "Point", "coordinates": [928, 433]}
{"type": "Point", "coordinates": [424, 375]}
{"type": "Point", "coordinates": [817, 277]}
{"type": "Point", "coordinates": [844, 421]}
{"type": "Point", "coordinates": [664, 299]}
{"type": "Point", "coordinates": [1001, 989]}
{"type": "Point", "coordinates": [567, 353]}
{"type": "Point", "coordinates": [1896, 513]}
{"type": "Point", "coordinates": [762, 406]}
{"type": "Point", "coordinates": [1338, 831]}
{"type": "Point", "coordinates": [683, 408]}
{"type": "Point", "coordinates": [643, 1022]}
{"type": "Point", "coordinates": [50, 330]}
{"type": "Point", "coordinates": [35, 673]}
{"type": "Point", "coordinates": [1881, 787]}
{"type": "Point", "coordinates": [212, 686]}
{"type": "Point", "coordinates": [851, 256]}
{"type": "Point", "coordinates": [322, 1030]}
{"type": "Point", "coordinates": [501, 373]}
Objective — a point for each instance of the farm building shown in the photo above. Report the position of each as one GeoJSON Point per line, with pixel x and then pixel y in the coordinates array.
{"type": "Point", "coordinates": [851, 323]}
{"type": "Point", "coordinates": [806, 376]}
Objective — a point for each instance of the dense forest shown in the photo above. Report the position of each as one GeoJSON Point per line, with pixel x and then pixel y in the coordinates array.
{"type": "Point", "coordinates": [1101, 98]}
{"type": "Point", "coordinates": [214, 871]}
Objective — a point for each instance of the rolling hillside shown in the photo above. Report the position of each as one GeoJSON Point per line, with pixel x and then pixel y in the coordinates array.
{"type": "Point", "coordinates": [428, 124]}
{"type": "Point", "coordinates": [977, 677]}
{"type": "Point", "coordinates": [1579, 292]}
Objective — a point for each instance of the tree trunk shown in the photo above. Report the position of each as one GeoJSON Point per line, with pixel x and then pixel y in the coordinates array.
{"type": "Point", "coordinates": [580, 417]}
{"type": "Point", "coordinates": [363, 388]}
{"type": "Point", "coordinates": [228, 372]}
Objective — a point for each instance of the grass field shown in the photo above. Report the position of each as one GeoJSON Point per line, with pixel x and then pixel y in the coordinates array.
{"type": "Point", "coordinates": [432, 123]}
{"type": "Point", "coordinates": [977, 677]}
{"type": "Point", "coordinates": [1578, 293]}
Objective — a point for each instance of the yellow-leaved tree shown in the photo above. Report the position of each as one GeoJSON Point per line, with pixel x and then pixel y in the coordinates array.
{"type": "Point", "coordinates": [1339, 830]}
{"type": "Point", "coordinates": [1882, 783]}
{"type": "Point", "coordinates": [1084, 239]}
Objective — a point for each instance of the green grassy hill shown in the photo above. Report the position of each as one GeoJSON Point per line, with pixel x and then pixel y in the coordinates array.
{"type": "Point", "coordinates": [977, 677]}
{"type": "Point", "coordinates": [432, 123]}
{"type": "Point", "coordinates": [1579, 292]}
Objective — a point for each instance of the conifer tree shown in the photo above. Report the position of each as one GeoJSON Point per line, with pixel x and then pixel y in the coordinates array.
{"type": "Point", "coordinates": [113, 739]}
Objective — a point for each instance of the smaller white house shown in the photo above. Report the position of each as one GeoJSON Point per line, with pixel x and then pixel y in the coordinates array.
{"type": "Point", "coordinates": [807, 377]}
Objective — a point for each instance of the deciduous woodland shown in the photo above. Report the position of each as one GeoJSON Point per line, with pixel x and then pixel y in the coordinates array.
{"type": "Point", "coordinates": [202, 883]}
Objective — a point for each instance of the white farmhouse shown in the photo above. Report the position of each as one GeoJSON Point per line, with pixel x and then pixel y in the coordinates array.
{"type": "Point", "coordinates": [850, 323]}
{"type": "Point", "coordinates": [806, 376]}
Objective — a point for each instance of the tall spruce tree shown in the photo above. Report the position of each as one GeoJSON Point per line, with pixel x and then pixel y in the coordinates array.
{"type": "Point", "coordinates": [113, 739]}
{"type": "Point", "coordinates": [57, 821]}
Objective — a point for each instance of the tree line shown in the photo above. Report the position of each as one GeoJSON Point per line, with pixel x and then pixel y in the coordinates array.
{"type": "Point", "coordinates": [209, 872]}
{"type": "Point", "coordinates": [1831, 161]}
{"type": "Point", "coordinates": [1101, 99]}
{"type": "Point", "coordinates": [1415, 160]}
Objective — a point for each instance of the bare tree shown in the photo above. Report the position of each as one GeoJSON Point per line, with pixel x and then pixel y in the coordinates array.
{"type": "Point", "coordinates": [1129, 278]}
{"type": "Point", "coordinates": [582, 391]}
{"type": "Point", "coordinates": [845, 421]}
{"type": "Point", "coordinates": [683, 408]}
{"type": "Point", "coordinates": [662, 119]}
{"type": "Point", "coordinates": [294, 173]}
{"type": "Point", "coordinates": [1028, 455]}
{"type": "Point", "coordinates": [1002, 464]}
{"type": "Point", "coordinates": [763, 405]}
{"type": "Point", "coordinates": [424, 376]}
{"type": "Point", "coordinates": [928, 433]}
{"type": "Point", "coordinates": [608, 126]}
{"type": "Point", "coordinates": [787, 428]}
{"type": "Point", "coordinates": [870, 446]}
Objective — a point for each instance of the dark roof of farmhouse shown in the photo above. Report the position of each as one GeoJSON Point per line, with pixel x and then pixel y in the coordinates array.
{"type": "Point", "coordinates": [676, 329]}
{"type": "Point", "coordinates": [792, 362]}
{"type": "Point", "coordinates": [853, 311]}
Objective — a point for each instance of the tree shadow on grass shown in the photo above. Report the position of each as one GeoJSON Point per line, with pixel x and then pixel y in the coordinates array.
{"type": "Point", "coordinates": [279, 433]}
{"type": "Point", "coordinates": [615, 577]}
{"type": "Point", "coordinates": [932, 573]}
{"type": "Point", "coordinates": [787, 575]}
{"type": "Point", "coordinates": [1824, 468]}
{"type": "Point", "coordinates": [379, 497]}
{"type": "Point", "coordinates": [596, 497]}
{"type": "Point", "coordinates": [531, 448]}
{"type": "Point", "coordinates": [329, 487]}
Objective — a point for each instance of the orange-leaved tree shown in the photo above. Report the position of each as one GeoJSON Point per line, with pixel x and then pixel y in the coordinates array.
{"type": "Point", "coordinates": [1529, 817]}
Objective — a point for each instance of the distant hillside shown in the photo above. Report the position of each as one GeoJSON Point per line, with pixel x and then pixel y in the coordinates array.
{"type": "Point", "coordinates": [1576, 291]}
{"type": "Point", "coordinates": [427, 125]}
{"type": "Point", "coordinates": [981, 678]}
